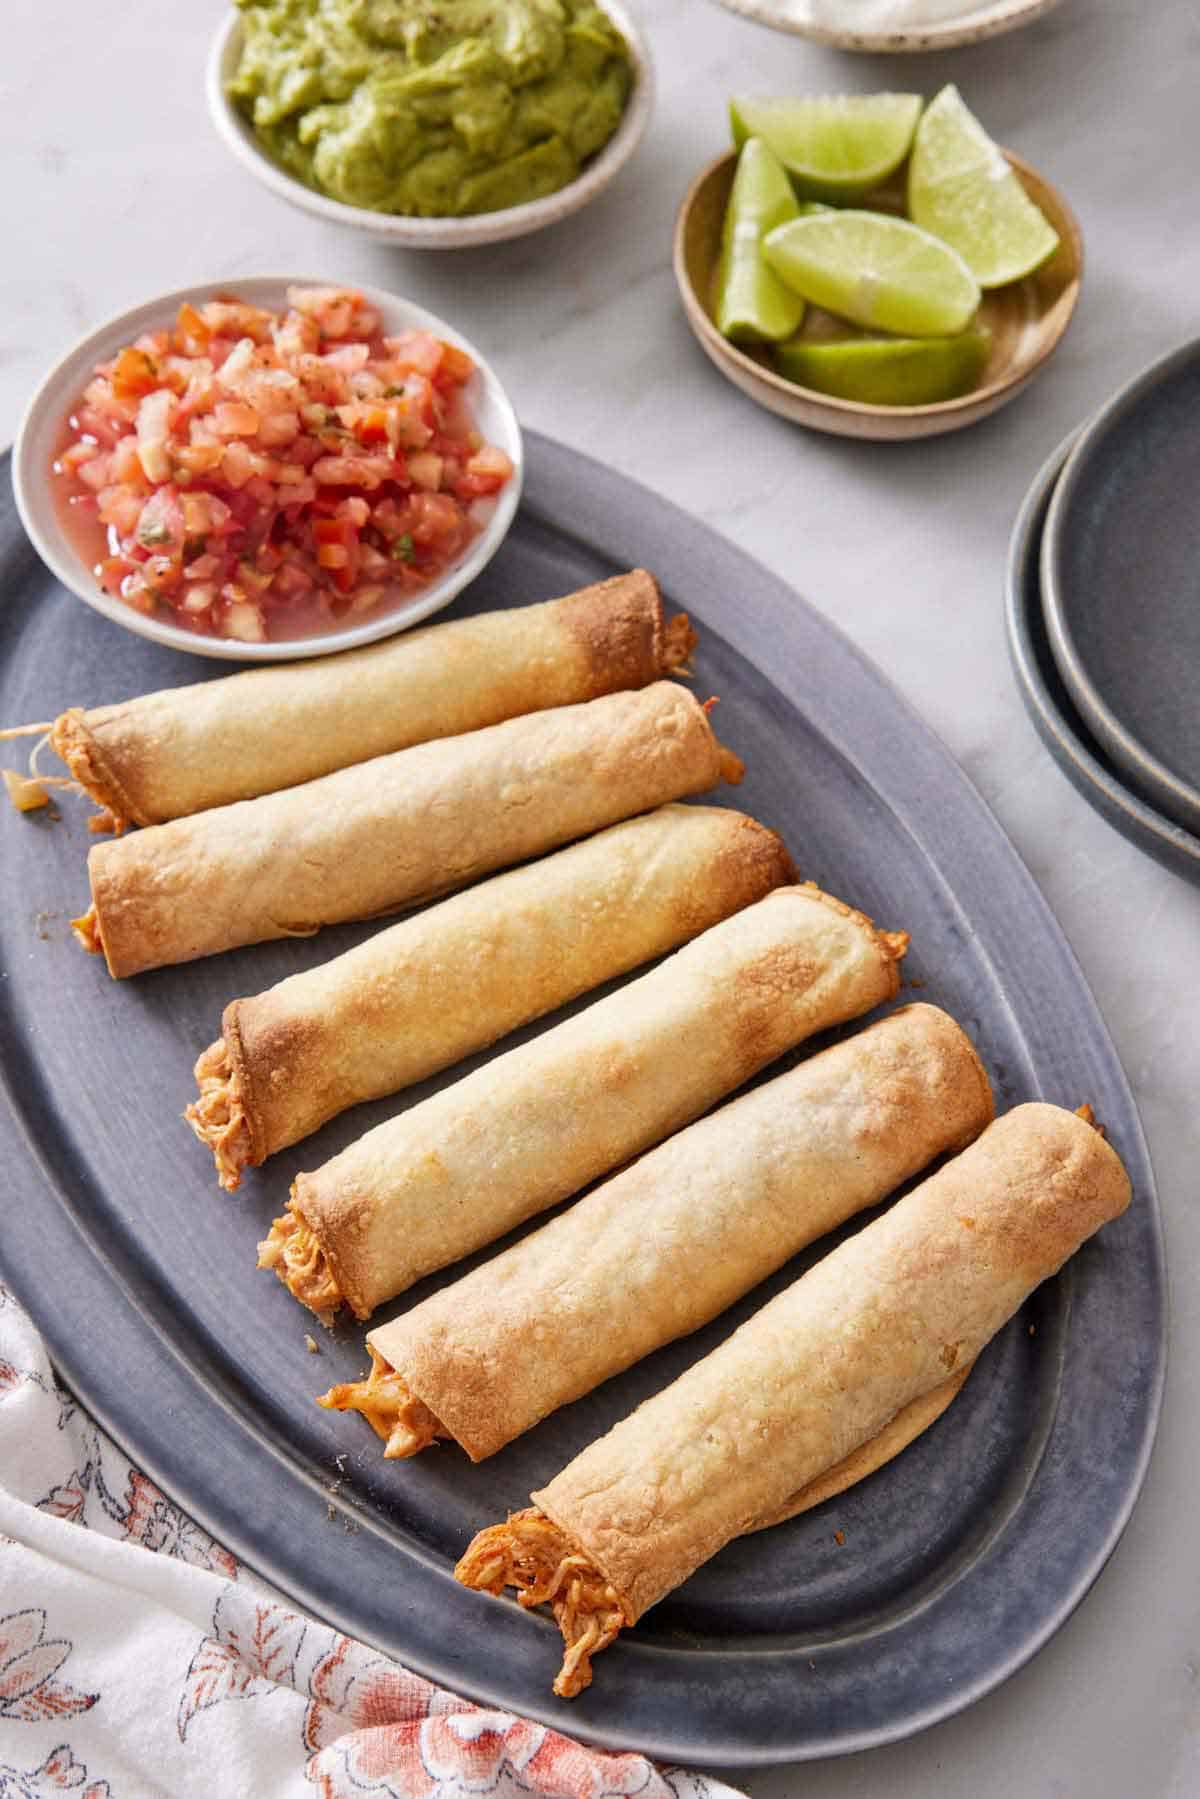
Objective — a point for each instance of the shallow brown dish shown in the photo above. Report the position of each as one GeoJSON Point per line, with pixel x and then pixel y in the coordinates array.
{"type": "Point", "coordinates": [1027, 319]}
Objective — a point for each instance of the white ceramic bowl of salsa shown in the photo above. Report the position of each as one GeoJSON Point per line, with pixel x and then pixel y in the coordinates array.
{"type": "Point", "coordinates": [435, 233]}
{"type": "Point", "coordinates": [68, 551]}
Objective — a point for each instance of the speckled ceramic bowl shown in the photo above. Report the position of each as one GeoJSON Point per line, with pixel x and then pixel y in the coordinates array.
{"type": "Point", "coordinates": [435, 234]}
{"type": "Point", "coordinates": [38, 437]}
{"type": "Point", "coordinates": [967, 24]}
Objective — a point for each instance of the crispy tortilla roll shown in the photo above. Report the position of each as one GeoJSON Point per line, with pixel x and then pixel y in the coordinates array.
{"type": "Point", "coordinates": [670, 1242]}
{"type": "Point", "coordinates": [387, 834]}
{"type": "Point", "coordinates": [541, 1121]}
{"type": "Point", "coordinates": [430, 990]}
{"type": "Point", "coordinates": [166, 755]}
{"type": "Point", "coordinates": [874, 1328]}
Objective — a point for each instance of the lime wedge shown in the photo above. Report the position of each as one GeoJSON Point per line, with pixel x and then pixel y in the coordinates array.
{"type": "Point", "coordinates": [753, 305]}
{"type": "Point", "coordinates": [888, 371]}
{"type": "Point", "coordinates": [877, 270]}
{"type": "Point", "coordinates": [961, 187]}
{"type": "Point", "coordinates": [833, 147]}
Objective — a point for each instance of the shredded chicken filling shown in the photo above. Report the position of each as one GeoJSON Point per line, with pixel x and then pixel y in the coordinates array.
{"type": "Point", "coordinates": [533, 1555]}
{"type": "Point", "coordinates": [31, 793]}
{"type": "Point", "coordinates": [293, 1252]}
{"type": "Point", "coordinates": [218, 1117]}
{"type": "Point", "coordinates": [679, 640]}
{"type": "Point", "coordinates": [390, 1407]}
{"type": "Point", "coordinates": [70, 739]}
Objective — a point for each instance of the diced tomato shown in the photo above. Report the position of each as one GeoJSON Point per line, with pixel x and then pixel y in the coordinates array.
{"type": "Point", "coordinates": [485, 473]}
{"type": "Point", "coordinates": [120, 508]}
{"type": "Point", "coordinates": [72, 460]}
{"type": "Point", "coordinates": [233, 418]}
{"type": "Point", "coordinates": [367, 423]}
{"type": "Point", "coordinates": [127, 464]}
{"type": "Point", "coordinates": [279, 428]}
{"type": "Point", "coordinates": [96, 472]}
{"type": "Point", "coordinates": [200, 457]}
{"type": "Point", "coordinates": [369, 472]}
{"type": "Point", "coordinates": [192, 334]}
{"type": "Point", "coordinates": [134, 375]}
{"type": "Point", "coordinates": [202, 567]}
{"type": "Point", "coordinates": [436, 515]}
{"type": "Point", "coordinates": [112, 572]}
{"type": "Point", "coordinates": [348, 358]}
{"type": "Point", "coordinates": [418, 351]}
{"type": "Point", "coordinates": [237, 464]}
{"type": "Point", "coordinates": [106, 428]}
{"type": "Point", "coordinates": [291, 581]}
{"type": "Point", "coordinates": [455, 368]}
{"type": "Point", "coordinates": [425, 470]}
{"type": "Point", "coordinates": [337, 550]}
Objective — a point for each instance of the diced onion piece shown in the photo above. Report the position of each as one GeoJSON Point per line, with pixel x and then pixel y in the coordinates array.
{"type": "Point", "coordinates": [153, 432]}
{"type": "Point", "coordinates": [244, 621]}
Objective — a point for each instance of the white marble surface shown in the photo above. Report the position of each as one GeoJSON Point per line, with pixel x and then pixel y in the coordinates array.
{"type": "Point", "coordinates": [115, 186]}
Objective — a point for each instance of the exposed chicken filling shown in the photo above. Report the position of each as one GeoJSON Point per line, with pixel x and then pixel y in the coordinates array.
{"type": "Point", "coordinates": [71, 740]}
{"type": "Point", "coordinates": [679, 640]}
{"type": "Point", "coordinates": [293, 1252]}
{"type": "Point", "coordinates": [218, 1117]}
{"type": "Point", "coordinates": [533, 1555]}
{"type": "Point", "coordinates": [390, 1407]}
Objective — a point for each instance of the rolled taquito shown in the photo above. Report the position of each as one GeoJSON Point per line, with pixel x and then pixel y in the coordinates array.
{"type": "Point", "coordinates": [432, 989]}
{"type": "Point", "coordinates": [542, 1120]}
{"type": "Point", "coordinates": [874, 1328]}
{"type": "Point", "coordinates": [383, 835]}
{"type": "Point", "coordinates": [670, 1242]}
{"type": "Point", "coordinates": [166, 755]}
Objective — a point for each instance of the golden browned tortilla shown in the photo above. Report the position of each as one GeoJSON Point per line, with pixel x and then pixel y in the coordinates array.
{"type": "Point", "coordinates": [436, 987]}
{"type": "Point", "coordinates": [387, 834]}
{"type": "Point", "coordinates": [539, 1122]}
{"type": "Point", "coordinates": [738, 1441]}
{"type": "Point", "coordinates": [165, 755]}
{"type": "Point", "coordinates": [672, 1241]}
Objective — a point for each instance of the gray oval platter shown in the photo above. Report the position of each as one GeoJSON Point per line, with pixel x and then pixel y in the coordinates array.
{"type": "Point", "coordinates": [1051, 708]}
{"type": "Point", "coordinates": [1120, 571]}
{"type": "Point", "coordinates": [949, 1568]}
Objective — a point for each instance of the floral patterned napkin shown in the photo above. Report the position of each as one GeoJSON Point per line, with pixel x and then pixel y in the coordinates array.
{"type": "Point", "coordinates": [125, 1674]}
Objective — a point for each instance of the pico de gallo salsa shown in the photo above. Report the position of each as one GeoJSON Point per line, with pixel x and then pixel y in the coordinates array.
{"type": "Point", "coordinates": [261, 475]}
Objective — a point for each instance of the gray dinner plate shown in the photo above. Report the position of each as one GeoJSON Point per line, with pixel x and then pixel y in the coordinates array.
{"type": "Point", "coordinates": [1051, 708]}
{"type": "Point", "coordinates": [871, 1617]}
{"type": "Point", "coordinates": [1120, 571]}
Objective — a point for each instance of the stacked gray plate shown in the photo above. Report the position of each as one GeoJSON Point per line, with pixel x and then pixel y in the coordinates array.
{"type": "Point", "coordinates": [1104, 610]}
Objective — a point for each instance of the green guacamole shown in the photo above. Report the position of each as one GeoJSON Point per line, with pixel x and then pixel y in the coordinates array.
{"type": "Point", "coordinates": [435, 108]}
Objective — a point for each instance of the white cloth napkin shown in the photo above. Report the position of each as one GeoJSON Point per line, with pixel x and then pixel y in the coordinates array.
{"type": "Point", "coordinates": [125, 1674]}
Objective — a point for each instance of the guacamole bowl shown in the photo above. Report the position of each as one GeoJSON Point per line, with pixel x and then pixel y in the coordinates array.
{"type": "Point", "coordinates": [69, 546]}
{"type": "Point", "coordinates": [429, 233]}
